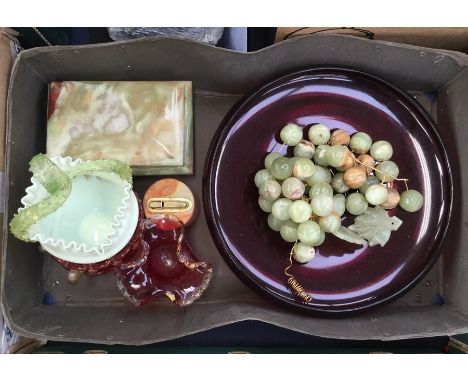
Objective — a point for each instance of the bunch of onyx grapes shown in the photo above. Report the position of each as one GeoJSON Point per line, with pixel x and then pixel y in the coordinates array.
{"type": "Point", "coordinates": [330, 173]}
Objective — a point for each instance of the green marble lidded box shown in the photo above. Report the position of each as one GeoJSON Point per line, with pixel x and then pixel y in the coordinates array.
{"type": "Point", "coordinates": [147, 124]}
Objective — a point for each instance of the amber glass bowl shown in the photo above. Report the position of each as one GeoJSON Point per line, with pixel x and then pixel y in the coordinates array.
{"type": "Point", "coordinates": [343, 277]}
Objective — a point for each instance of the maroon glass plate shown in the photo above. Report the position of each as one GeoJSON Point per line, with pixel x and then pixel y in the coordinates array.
{"type": "Point", "coordinates": [343, 277]}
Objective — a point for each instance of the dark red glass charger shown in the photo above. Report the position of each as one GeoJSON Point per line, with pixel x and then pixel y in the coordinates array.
{"type": "Point", "coordinates": [343, 277]}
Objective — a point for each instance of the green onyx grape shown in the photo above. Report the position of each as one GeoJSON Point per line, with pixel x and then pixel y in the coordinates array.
{"type": "Point", "coordinates": [339, 204]}
{"type": "Point", "coordinates": [291, 134]}
{"type": "Point", "coordinates": [338, 184]}
{"type": "Point", "coordinates": [293, 188]}
{"type": "Point", "coordinates": [411, 200]}
{"type": "Point", "coordinates": [336, 155]}
{"type": "Point", "coordinates": [387, 171]}
{"type": "Point", "coordinates": [303, 168]}
{"type": "Point", "coordinates": [319, 134]}
{"type": "Point", "coordinates": [304, 149]}
{"type": "Point", "coordinates": [288, 231]}
{"type": "Point", "coordinates": [322, 205]}
{"type": "Point", "coordinates": [270, 190]}
{"type": "Point", "coordinates": [330, 223]}
{"type": "Point", "coordinates": [281, 168]}
{"type": "Point", "coordinates": [308, 232]}
{"type": "Point", "coordinates": [261, 176]}
{"type": "Point", "coordinates": [381, 151]}
{"type": "Point", "coordinates": [320, 240]}
{"type": "Point", "coordinates": [320, 156]}
{"type": "Point", "coordinates": [321, 174]}
{"type": "Point", "coordinates": [265, 205]}
{"type": "Point", "coordinates": [376, 194]}
{"type": "Point", "coordinates": [270, 158]}
{"type": "Point", "coordinates": [300, 211]}
{"type": "Point", "coordinates": [320, 188]}
{"type": "Point", "coordinates": [360, 143]}
{"type": "Point", "coordinates": [303, 253]}
{"type": "Point", "coordinates": [356, 203]}
{"type": "Point", "coordinates": [280, 209]}
{"type": "Point", "coordinates": [274, 223]}
{"type": "Point", "coordinates": [370, 180]}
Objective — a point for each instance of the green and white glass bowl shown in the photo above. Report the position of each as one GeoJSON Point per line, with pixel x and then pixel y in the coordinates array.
{"type": "Point", "coordinates": [95, 222]}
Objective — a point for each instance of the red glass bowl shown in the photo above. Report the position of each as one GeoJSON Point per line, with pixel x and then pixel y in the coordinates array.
{"type": "Point", "coordinates": [343, 277]}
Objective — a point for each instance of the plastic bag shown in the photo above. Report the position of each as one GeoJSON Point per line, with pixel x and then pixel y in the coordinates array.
{"type": "Point", "coordinates": [206, 35]}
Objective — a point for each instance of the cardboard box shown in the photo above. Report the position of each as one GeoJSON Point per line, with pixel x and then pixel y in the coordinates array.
{"type": "Point", "coordinates": [10, 342]}
{"type": "Point", "coordinates": [5, 66]}
{"type": "Point", "coordinates": [94, 311]}
{"type": "Point", "coordinates": [438, 38]}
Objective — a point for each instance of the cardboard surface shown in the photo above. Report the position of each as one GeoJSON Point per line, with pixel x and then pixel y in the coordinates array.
{"type": "Point", "coordinates": [5, 65]}
{"type": "Point", "coordinates": [94, 311]}
{"type": "Point", "coordinates": [438, 38]}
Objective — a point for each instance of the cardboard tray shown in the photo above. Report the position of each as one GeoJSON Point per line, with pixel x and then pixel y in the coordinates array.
{"type": "Point", "coordinates": [94, 311]}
